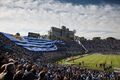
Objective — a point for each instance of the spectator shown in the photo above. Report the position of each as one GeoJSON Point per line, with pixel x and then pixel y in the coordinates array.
{"type": "Point", "coordinates": [19, 73]}
{"type": "Point", "coordinates": [8, 73]}
{"type": "Point", "coordinates": [42, 73]}
{"type": "Point", "coordinates": [2, 68]}
{"type": "Point", "coordinates": [31, 75]}
{"type": "Point", "coordinates": [28, 68]}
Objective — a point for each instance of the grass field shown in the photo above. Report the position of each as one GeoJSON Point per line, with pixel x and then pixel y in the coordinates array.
{"type": "Point", "coordinates": [91, 60]}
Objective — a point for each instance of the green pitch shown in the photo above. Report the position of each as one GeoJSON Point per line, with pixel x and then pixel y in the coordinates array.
{"type": "Point", "coordinates": [94, 60]}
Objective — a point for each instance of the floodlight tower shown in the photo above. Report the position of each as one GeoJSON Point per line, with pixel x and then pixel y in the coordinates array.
{"type": "Point", "coordinates": [82, 46]}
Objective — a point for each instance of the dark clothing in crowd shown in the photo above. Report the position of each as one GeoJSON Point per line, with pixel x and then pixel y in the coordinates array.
{"type": "Point", "coordinates": [30, 76]}
{"type": "Point", "coordinates": [42, 76]}
{"type": "Point", "coordinates": [8, 76]}
{"type": "Point", "coordinates": [18, 76]}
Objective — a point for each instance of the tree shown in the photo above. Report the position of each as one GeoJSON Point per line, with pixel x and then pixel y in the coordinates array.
{"type": "Point", "coordinates": [96, 38]}
{"type": "Point", "coordinates": [110, 38]}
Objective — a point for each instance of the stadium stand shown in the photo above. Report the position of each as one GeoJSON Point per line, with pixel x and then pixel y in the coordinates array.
{"type": "Point", "coordinates": [29, 43]}
{"type": "Point", "coordinates": [102, 45]}
{"type": "Point", "coordinates": [26, 58]}
{"type": "Point", "coordinates": [21, 67]}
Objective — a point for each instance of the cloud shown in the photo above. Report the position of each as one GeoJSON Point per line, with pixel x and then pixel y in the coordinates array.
{"type": "Point", "coordinates": [39, 15]}
{"type": "Point", "coordinates": [87, 2]}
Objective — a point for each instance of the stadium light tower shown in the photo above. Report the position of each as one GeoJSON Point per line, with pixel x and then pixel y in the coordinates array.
{"type": "Point", "coordinates": [59, 20]}
{"type": "Point", "coordinates": [82, 46]}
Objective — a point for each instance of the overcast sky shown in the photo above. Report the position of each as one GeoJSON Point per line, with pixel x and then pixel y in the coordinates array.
{"type": "Point", "coordinates": [88, 17]}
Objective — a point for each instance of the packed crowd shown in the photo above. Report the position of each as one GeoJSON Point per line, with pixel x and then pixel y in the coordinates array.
{"type": "Point", "coordinates": [102, 45]}
{"type": "Point", "coordinates": [14, 67]}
